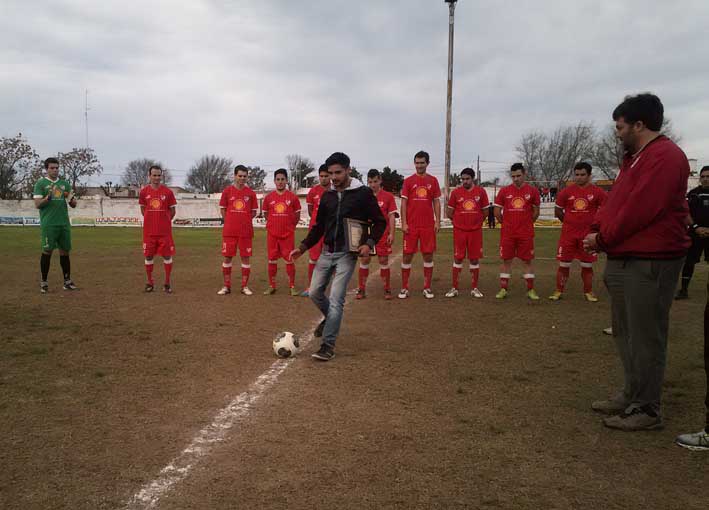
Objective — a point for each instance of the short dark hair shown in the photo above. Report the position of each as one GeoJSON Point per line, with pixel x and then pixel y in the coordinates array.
{"type": "Point", "coordinates": [322, 169]}
{"type": "Point", "coordinates": [518, 166]}
{"type": "Point", "coordinates": [582, 165]}
{"type": "Point", "coordinates": [156, 167]}
{"type": "Point", "coordinates": [280, 171]}
{"type": "Point", "coordinates": [373, 174]}
{"type": "Point", "coordinates": [338, 158]}
{"type": "Point", "coordinates": [468, 171]}
{"type": "Point", "coordinates": [241, 168]}
{"type": "Point", "coordinates": [704, 169]}
{"type": "Point", "coordinates": [646, 108]}
{"type": "Point", "coordinates": [50, 161]}
{"type": "Point", "coordinates": [422, 154]}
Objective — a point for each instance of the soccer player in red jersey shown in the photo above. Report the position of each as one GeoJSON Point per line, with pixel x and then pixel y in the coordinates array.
{"type": "Point", "coordinates": [282, 211]}
{"type": "Point", "coordinates": [312, 200]}
{"type": "Point", "coordinates": [420, 222]}
{"type": "Point", "coordinates": [576, 207]}
{"type": "Point", "coordinates": [387, 205]}
{"type": "Point", "coordinates": [238, 207]}
{"type": "Point", "coordinates": [517, 208]}
{"type": "Point", "coordinates": [467, 208]}
{"type": "Point", "coordinates": [157, 205]}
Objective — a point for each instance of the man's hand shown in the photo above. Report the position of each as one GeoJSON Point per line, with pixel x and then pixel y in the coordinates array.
{"type": "Point", "coordinates": [295, 254]}
{"type": "Point", "coordinates": [590, 243]}
{"type": "Point", "coordinates": [702, 231]}
{"type": "Point", "coordinates": [364, 250]}
{"type": "Point", "coordinates": [404, 228]}
{"type": "Point", "coordinates": [437, 227]}
{"type": "Point", "coordinates": [390, 238]}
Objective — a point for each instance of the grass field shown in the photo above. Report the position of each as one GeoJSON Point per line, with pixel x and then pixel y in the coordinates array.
{"type": "Point", "coordinates": [428, 404]}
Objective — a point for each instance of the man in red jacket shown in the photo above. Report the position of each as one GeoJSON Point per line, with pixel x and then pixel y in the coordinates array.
{"type": "Point", "coordinates": [642, 230]}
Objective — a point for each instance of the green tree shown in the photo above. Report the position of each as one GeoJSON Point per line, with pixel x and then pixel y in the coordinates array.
{"type": "Point", "coordinates": [392, 181]}
{"type": "Point", "coordinates": [18, 161]}
{"type": "Point", "coordinates": [257, 178]}
{"type": "Point", "coordinates": [77, 164]}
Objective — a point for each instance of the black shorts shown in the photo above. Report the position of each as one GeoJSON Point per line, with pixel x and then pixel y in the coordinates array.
{"type": "Point", "coordinates": [699, 245]}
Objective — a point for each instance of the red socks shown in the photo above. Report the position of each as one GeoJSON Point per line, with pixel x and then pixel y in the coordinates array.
{"type": "Point", "coordinates": [385, 273]}
{"type": "Point", "coordinates": [245, 273]}
{"type": "Point", "coordinates": [272, 271]}
{"type": "Point", "coordinates": [562, 275]}
{"type": "Point", "coordinates": [587, 277]}
{"type": "Point", "coordinates": [149, 271]}
{"type": "Point", "coordinates": [405, 273]}
{"type": "Point", "coordinates": [168, 270]}
{"type": "Point", "coordinates": [290, 270]}
{"type": "Point", "coordinates": [226, 271]}
{"type": "Point", "coordinates": [363, 275]}
{"type": "Point", "coordinates": [474, 275]}
{"type": "Point", "coordinates": [455, 274]}
{"type": "Point", "coordinates": [427, 274]}
{"type": "Point", "coordinates": [504, 280]}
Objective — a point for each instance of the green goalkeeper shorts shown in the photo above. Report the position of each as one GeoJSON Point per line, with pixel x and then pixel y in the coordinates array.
{"type": "Point", "coordinates": [56, 237]}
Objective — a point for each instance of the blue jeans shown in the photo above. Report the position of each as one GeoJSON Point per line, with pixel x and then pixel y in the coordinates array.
{"type": "Point", "coordinates": [337, 267]}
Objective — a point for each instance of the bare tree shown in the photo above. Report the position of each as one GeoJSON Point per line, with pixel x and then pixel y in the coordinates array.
{"type": "Point", "coordinates": [136, 172]}
{"type": "Point", "coordinates": [210, 174]}
{"type": "Point", "coordinates": [299, 167]}
{"type": "Point", "coordinates": [18, 165]}
{"type": "Point", "coordinates": [551, 157]}
{"type": "Point", "coordinates": [257, 178]}
{"type": "Point", "coordinates": [77, 164]}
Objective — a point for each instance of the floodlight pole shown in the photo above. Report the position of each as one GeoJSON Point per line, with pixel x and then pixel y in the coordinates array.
{"type": "Point", "coordinates": [449, 103]}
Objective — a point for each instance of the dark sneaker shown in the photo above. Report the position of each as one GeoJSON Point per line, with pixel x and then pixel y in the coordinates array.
{"type": "Point", "coordinates": [325, 353]}
{"type": "Point", "coordinates": [614, 405]}
{"type": "Point", "coordinates": [682, 294]}
{"type": "Point", "coordinates": [318, 331]}
{"type": "Point", "coordinates": [699, 441]}
{"type": "Point", "coordinates": [149, 287]}
{"type": "Point", "coordinates": [69, 285]}
{"type": "Point", "coordinates": [637, 418]}
{"type": "Point", "coordinates": [167, 289]}
{"type": "Point", "coordinates": [43, 287]}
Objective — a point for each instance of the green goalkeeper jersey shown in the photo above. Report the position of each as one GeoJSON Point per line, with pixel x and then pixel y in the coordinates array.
{"type": "Point", "coordinates": [55, 213]}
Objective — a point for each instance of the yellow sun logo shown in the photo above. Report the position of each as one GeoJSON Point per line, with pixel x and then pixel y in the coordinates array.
{"type": "Point", "coordinates": [580, 204]}
{"type": "Point", "coordinates": [155, 203]}
{"type": "Point", "coordinates": [280, 208]}
{"type": "Point", "coordinates": [518, 203]}
{"type": "Point", "coordinates": [239, 205]}
{"type": "Point", "coordinates": [469, 205]}
{"type": "Point", "coordinates": [421, 192]}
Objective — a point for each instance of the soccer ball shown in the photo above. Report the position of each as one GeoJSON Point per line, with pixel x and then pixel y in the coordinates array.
{"type": "Point", "coordinates": [286, 345]}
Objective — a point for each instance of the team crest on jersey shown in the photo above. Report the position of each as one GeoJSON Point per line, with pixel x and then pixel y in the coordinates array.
{"type": "Point", "coordinates": [469, 205]}
{"type": "Point", "coordinates": [381, 204]}
{"type": "Point", "coordinates": [580, 204]}
{"type": "Point", "coordinates": [421, 192]}
{"type": "Point", "coordinates": [280, 208]}
{"type": "Point", "coordinates": [590, 197]}
{"type": "Point", "coordinates": [518, 203]}
{"type": "Point", "coordinates": [155, 203]}
{"type": "Point", "coordinates": [527, 196]}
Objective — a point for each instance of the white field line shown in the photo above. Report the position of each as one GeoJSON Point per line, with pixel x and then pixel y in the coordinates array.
{"type": "Point", "coordinates": [206, 439]}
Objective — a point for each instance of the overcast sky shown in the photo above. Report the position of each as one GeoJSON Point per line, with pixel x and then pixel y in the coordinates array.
{"type": "Point", "coordinates": [257, 80]}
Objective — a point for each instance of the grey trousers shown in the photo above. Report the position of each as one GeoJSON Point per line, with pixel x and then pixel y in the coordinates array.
{"type": "Point", "coordinates": [641, 293]}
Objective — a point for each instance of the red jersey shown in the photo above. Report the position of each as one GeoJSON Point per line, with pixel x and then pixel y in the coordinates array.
{"type": "Point", "coordinates": [313, 199]}
{"type": "Point", "coordinates": [387, 205]}
{"type": "Point", "coordinates": [420, 192]}
{"type": "Point", "coordinates": [281, 211]}
{"type": "Point", "coordinates": [517, 209]}
{"type": "Point", "coordinates": [238, 205]}
{"type": "Point", "coordinates": [157, 219]}
{"type": "Point", "coordinates": [580, 206]}
{"type": "Point", "coordinates": [468, 207]}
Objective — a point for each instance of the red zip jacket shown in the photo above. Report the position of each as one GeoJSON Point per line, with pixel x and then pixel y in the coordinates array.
{"type": "Point", "coordinates": [644, 216]}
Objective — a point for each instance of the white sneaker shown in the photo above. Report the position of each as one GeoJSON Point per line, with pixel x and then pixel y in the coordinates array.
{"type": "Point", "coordinates": [476, 293]}
{"type": "Point", "coordinates": [452, 293]}
{"type": "Point", "coordinates": [404, 293]}
{"type": "Point", "coordinates": [246, 291]}
{"type": "Point", "coordinates": [224, 291]}
{"type": "Point", "coordinates": [699, 441]}
{"type": "Point", "coordinates": [428, 293]}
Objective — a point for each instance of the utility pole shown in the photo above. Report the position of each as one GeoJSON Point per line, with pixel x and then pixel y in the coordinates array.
{"type": "Point", "coordinates": [449, 103]}
{"type": "Point", "coordinates": [86, 117]}
{"type": "Point", "coordinates": [480, 177]}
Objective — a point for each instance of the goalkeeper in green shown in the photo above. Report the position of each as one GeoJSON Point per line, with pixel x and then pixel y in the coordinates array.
{"type": "Point", "coordinates": [51, 194]}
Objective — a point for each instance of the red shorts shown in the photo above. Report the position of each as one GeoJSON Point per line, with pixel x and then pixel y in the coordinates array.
{"type": "Point", "coordinates": [158, 245]}
{"type": "Point", "coordinates": [316, 250]}
{"type": "Point", "coordinates": [426, 236]}
{"type": "Point", "coordinates": [383, 248]}
{"type": "Point", "coordinates": [467, 241]}
{"type": "Point", "coordinates": [571, 247]}
{"type": "Point", "coordinates": [230, 244]}
{"type": "Point", "coordinates": [520, 247]}
{"type": "Point", "coordinates": [280, 247]}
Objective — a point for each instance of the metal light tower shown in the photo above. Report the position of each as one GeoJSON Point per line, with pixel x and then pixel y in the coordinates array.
{"type": "Point", "coordinates": [449, 103]}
